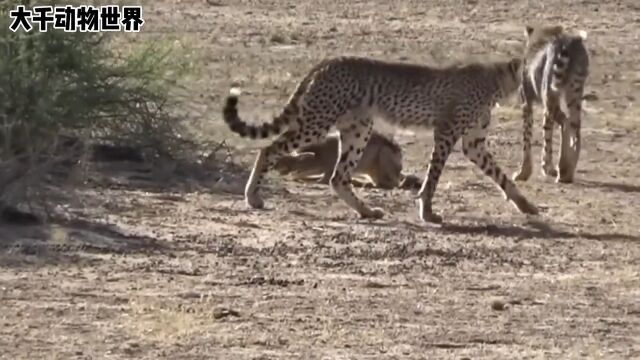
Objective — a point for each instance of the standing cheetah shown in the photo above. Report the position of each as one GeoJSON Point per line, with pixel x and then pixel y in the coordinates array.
{"type": "Point", "coordinates": [347, 92]}
{"type": "Point", "coordinates": [556, 66]}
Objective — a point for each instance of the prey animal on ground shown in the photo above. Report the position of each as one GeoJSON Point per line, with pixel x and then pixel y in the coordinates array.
{"type": "Point", "coordinates": [380, 165]}
{"type": "Point", "coordinates": [556, 67]}
{"type": "Point", "coordinates": [348, 92]}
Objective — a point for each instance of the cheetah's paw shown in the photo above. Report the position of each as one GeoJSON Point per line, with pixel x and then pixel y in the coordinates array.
{"type": "Point", "coordinates": [254, 200]}
{"type": "Point", "coordinates": [372, 213]}
{"type": "Point", "coordinates": [430, 217]}
{"type": "Point", "coordinates": [521, 175]}
{"type": "Point", "coordinates": [525, 206]}
{"type": "Point", "coordinates": [550, 172]}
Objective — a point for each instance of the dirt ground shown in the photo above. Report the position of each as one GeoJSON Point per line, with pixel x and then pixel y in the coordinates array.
{"type": "Point", "coordinates": [177, 267]}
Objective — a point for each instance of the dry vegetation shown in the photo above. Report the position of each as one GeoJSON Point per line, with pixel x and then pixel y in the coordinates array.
{"type": "Point", "coordinates": [167, 262]}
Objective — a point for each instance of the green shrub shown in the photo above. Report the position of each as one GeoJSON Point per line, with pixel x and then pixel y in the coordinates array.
{"type": "Point", "coordinates": [55, 84]}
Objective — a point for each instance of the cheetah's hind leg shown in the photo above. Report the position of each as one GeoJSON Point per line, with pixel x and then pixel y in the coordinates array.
{"type": "Point", "coordinates": [475, 149]}
{"type": "Point", "coordinates": [270, 155]}
{"type": "Point", "coordinates": [355, 132]}
{"type": "Point", "coordinates": [526, 166]}
{"type": "Point", "coordinates": [571, 142]}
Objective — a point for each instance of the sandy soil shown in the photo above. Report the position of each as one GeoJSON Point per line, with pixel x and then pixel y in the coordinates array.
{"type": "Point", "coordinates": [179, 268]}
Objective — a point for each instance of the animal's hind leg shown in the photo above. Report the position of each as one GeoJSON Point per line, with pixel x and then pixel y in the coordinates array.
{"type": "Point", "coordinates": [570, 145]}
{"type": "Point", "coordinates": [269, 156]}
{"type": "Point", "coordinates": [553, 115]}
{"type": "Point", "coordinates": [474, 148]}
{"type": "Point", "coordinates": [354, 135]}
{"type": "Point", "coordinates": [526, 167]}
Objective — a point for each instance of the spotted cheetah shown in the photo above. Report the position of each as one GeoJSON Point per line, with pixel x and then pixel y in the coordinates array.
{"type": "Point", "coordinates": [348, 92]}
{"type": "Point", "coordinates": [380, 164]}
{"type": "Point", "coordinates": [556, 67]}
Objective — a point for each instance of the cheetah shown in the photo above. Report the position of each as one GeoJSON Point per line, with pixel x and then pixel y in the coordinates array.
{"type": "Point", "coordinates": [348, 92]}
{"type": "Point", "coordinates": [556, 67]}
{"type": "Point", "coordinates": [381, 163]}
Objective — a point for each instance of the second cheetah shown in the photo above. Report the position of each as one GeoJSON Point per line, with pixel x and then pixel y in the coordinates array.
{"type": "Point", "coordinates": [348, 92]}
{"type": "Point", "coordinates": [380, 164]}
{"type": "Point", "coordinates": [556, 67]}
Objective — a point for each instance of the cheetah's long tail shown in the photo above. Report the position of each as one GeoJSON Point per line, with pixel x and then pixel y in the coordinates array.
{"type": "Point", "coordinates": [242, 128]}
{"type": "Point", "coordinates": [561, 60]}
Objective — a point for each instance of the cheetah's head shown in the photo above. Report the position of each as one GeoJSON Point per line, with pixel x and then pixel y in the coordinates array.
{"type": "Point", "coordinates": [537, 36]}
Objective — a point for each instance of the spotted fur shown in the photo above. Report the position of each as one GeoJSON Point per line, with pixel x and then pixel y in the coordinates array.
{"type": "Point", "coordinates": [380, 165]}
{"type": "Point", "coordinates": [556, 69]}
{"type": "Point", "coordinates": [348, 92]}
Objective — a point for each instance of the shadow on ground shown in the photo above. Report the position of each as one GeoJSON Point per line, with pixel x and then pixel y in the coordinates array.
{"type": "Point", "coordinates": [610, 186]}
{"type": "Point", "coordinates": [531, 229]}
{"type": "Point", "coordinates": [61, 242]}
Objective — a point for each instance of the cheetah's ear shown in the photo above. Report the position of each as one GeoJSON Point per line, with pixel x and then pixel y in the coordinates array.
{"type": "Point", "coordinates": [528, 30]}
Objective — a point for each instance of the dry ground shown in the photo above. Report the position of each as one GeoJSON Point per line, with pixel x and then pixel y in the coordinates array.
{"type": "Point", "coordinates": [183, 270]}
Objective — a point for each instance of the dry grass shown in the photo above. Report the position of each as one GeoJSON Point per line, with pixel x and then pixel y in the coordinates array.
{"type": "Point", "coordinates": [152, 269]}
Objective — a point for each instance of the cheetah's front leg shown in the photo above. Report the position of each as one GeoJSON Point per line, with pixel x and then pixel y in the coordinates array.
{"type": "Point", "coordinates": [444, 140]}
{"type": "Point", "coordinates": [354, 135]}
